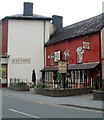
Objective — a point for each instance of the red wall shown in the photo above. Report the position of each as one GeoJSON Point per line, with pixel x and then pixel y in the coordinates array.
{"type": "Point", "coordinates": [4, 36]}
{"type": "Point", "coordinates": [92, 55]}
{"type": "Point", "coordinates": [5, 44]}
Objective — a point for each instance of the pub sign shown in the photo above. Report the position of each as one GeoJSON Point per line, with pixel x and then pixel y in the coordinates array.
{"type": "Point", "coordinates": [62, 66]}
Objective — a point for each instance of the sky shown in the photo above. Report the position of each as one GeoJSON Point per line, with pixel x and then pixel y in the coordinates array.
{"type": "Point", "coordinates": [72, 11]}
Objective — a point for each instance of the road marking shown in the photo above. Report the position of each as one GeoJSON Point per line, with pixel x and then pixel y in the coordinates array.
{"type": "Point", "coordinates": [23, 113]}
{"type": "Point", "coordinates": [53, 104]}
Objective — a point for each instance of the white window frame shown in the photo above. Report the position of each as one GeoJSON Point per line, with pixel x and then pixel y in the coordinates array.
{"type": "Point", "coordinates": [49, 76]}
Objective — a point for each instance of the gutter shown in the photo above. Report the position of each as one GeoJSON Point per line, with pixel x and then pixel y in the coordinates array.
{"type": "Point", "coordinates": [25, 18]}
{"type": "Point", "coordinates": [44, 41]}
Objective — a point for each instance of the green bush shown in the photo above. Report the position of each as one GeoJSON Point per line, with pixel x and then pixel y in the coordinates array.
{"type": "Point", "coordinates": [42, 86]}
{"type": "Point", "coordinates": [21, 83]}
{"type": "Point", "coordinates": [89, 87]}
{"type": "Point", "coordinates": [39, 86]}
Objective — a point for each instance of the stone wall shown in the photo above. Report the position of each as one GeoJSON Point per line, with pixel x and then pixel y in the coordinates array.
{"type": "Point", "coordinates": [19, 87]}
{"type": "Point", "coordinates": [98, 95]}
{"type": "Point", "coordinates": [62, 92]}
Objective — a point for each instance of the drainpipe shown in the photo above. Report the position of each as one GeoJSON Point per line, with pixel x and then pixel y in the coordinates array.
{"type": "Point", "coordinates": [100, 57]}
{"type": "Point", "coordinates": [44, 41]}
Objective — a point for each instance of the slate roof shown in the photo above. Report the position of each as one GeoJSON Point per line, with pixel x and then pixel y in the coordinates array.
{"type": "Point", "coordinates": [22, 17]}
{"type": "Point", "coordinates": [85, 27]}
{"type": "Point", "coordinates": [84, 66]}
{"type": "Point", "coordinates": [49, 69]}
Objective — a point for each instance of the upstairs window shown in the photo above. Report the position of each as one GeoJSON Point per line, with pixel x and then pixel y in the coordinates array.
{"type": "Point", "coordinates": [57, 56]}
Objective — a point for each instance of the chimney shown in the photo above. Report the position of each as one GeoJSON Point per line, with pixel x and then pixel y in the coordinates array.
{"type": "Point", "coordinates": [57, 21]}
{"type": "Point", "coordinates": [28, 9]}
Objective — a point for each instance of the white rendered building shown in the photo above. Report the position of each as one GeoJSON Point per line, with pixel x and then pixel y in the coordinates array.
{"type": "Point", "coordinates": [22, 39]}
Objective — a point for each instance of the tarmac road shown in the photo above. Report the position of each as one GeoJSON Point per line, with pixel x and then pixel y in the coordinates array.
{"type": "Point", "coordinates": [20, 107]}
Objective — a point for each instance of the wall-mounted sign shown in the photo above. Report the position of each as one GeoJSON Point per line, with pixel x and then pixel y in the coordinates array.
{"type": "Point", "coordinates": [4, 60]}
{"type": "Point", "coordinates": [57, 55]}
{"type": "Point", "coordinates": [21, 61]}
{"type": "Point", "coordinates": [52, 58]}
{"type": "Point", "coordinates": [62, 66]}
{"type": "Point", "coordinates": [86, 45]}
{"type": "Point", "coordinates": [66, 55]}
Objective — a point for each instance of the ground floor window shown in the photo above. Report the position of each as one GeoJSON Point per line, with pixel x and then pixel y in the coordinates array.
{"type": "Point", "coordinates": [49, 78]}
{"type": "Point", "coordinates": [77, 79]}
{"type": "Point", "coordinates": [4, 74]}
{"type": "Point", "coordinates": [72, 79]}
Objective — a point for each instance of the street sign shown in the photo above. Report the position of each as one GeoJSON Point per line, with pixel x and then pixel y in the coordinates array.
{"type": "Point", "coordinates": [62, 66]}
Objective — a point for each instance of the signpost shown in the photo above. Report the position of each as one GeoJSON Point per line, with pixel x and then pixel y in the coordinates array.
{"type": "Point", "coordinates": [62, 69]}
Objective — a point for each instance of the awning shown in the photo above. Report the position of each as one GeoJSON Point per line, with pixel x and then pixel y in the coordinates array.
{"type": "Point", "coordinates": [49, 69]}
{"type": "Point", "coordinates": [84, 66]}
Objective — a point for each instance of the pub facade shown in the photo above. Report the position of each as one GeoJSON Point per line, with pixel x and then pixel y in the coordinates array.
{"type": "Point", "coordinates": [79, 49]}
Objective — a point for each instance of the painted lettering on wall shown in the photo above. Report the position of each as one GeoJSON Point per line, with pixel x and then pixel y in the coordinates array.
{"type": "Point", "coordinates": [21, 60]}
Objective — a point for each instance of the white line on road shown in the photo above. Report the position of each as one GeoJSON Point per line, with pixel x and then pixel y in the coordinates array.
{"type": "Point", "coordinates": [23, 113]}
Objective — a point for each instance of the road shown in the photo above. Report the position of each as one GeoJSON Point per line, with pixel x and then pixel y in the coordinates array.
{"type": "Point", "coordinates": [20, 107]}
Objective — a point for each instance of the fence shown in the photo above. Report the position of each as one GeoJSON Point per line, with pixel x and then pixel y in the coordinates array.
{"type": "Point", "coordinates": [17, 80]}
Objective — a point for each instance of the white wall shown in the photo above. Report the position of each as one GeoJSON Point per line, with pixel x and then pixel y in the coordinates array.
{"type": "Point", "coordinates": [102, 40]}
{"type": "Point", "coordinates": [26, 40]}
{"type": "Point", "coordinates": [0, 47]}
{"type": "Point", "coordinates": [0, 38]}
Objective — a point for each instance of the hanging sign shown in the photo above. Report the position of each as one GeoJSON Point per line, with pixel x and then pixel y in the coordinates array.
{"type": "Point", "coordinates": [62, 66]}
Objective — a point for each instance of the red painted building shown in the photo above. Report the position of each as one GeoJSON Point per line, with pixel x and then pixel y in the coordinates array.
{"type": "Point", "coordinates": [80, 45]}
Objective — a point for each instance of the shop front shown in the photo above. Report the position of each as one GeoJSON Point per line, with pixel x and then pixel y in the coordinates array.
{"type": "Point", "coordinates": [77, 76]}
{"type": "Point", "coordinates": [4, 75]}
{"type": "Point", "coordinates": [3, 71]}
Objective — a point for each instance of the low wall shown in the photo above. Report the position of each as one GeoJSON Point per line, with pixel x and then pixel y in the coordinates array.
{"type": "Point", "coordinates": [62, 92]}
{"type": "Point", "coordinates": [98, 95]}
{"type": "Point", "coordinates": [19, 87]}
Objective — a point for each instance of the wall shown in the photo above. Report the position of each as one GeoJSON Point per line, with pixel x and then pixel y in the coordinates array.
{"type": "Point", "coordinates": [0, 48]}
{"type": "Point", "coordinates": [26, 40]}
{"type": "Point", "coordinates": [102, 39]}
{"type": "Point", "coordinates": [4, 67]}
{"type": "Point", "coordinates": [4, 36]}
{"type": "Point", "coordinates": [62, 92]}
{"type": "Point", "coordinates": [91, 55]}
{"type": "Point", "coordinates": [0, 38]}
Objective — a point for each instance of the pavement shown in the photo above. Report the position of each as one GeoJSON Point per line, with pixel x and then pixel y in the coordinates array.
{"type": "Point", "coordinates": [80, 101]}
